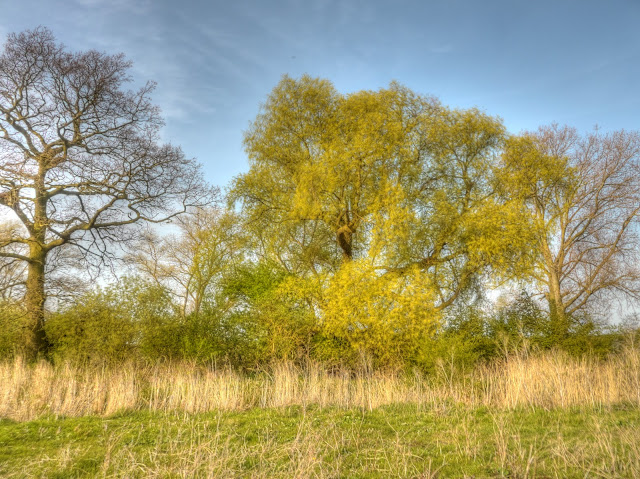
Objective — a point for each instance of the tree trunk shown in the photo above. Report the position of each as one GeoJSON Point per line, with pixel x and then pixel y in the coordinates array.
{"type": "Point", "coordinates": [345, 241]}
{"type": "Point", "coordinates": [557, 313]}
{"type": "Point", "coordinates": [34, 301]}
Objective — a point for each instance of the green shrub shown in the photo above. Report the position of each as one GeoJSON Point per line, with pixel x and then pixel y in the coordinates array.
{"type": "Point", "coordinates": [523, 323]}
{"type": "Point", "coordinates": [154, 316]}
{"type": "Point", "coordinates": [464, 341]}
{"type": "Point", "coordinates": [96, 329]}
{"type": "Point", "coordinates": [520, 323]}
{"type": "Point", "coordinates": [209, 336]}
{"type": "Point", "coordinates": [128, 319]}
{"type": "Point", "coordinates": [270, 317]}
{"type": "Point", "coordinates": [13, 329]}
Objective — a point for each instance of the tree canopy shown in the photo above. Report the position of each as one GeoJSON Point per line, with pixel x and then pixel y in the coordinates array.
{"type": "Point", "coordinates": [387, 175]}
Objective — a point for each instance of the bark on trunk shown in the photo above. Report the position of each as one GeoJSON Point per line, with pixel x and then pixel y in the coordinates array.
{"type": "Point", "coordinates": [345, 241]}
{"type": "Point", "coordinates": [34, 302]}
{"type": "Point", "coordinates": [557, 313]}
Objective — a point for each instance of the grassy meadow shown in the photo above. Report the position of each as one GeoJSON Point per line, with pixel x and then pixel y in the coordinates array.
{"type": "Point", "coordinates": [390, 441]}
{"type": "Point", "coordinates": [542, 415]}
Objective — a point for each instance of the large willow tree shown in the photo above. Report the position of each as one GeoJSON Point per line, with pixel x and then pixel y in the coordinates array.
{"type": "Point", "coordinates": [386, 177]}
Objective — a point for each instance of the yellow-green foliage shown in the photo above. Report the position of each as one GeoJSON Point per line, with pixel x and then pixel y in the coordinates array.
{"type": "Point", "coordinates": [384, 316]}
{"type": "Point", "coordinates": [529, 173]}
{"type": "Point", "coordinates": [14, 327]}
{"type": "Point", "coordinates": [388, 175]}
{"type": "Point", "coordinates": [542, 183]}
{"type": "Point", "coordinates": [270, 316]}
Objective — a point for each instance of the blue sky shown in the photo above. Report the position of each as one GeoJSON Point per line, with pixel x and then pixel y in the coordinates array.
{"type": "Point", "coordinates": [574, 62]}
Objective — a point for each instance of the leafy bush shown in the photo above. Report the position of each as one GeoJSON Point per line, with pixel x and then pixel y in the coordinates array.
{"type": "Point", "coordinates": [521, 323]}
{"type": "Point", "coordinates": [385, 317]}
{"type": "Point", "coordinates": [270, 316]}
{"type": "Point", "coordinates": [128, 319]}
{"type": "Point", "coordinates": [96, 329]}
{"type": "Point", "coordinates": [14, 329]}
{"type": "Point", "coordinates": [202, 338]}
{"type": "Point", "coordinates": [462, 342]}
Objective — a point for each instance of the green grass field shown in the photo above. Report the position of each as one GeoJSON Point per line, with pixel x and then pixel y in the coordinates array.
{"type": "Point", "coordinates": [390, 441]}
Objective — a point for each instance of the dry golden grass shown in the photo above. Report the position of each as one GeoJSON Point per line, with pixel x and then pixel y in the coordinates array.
{"type": "Point", "coordinates": [550, 380]}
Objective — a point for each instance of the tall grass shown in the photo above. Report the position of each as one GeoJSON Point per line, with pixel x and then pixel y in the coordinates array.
{"type": "Point", "coordinates": [548, 380]}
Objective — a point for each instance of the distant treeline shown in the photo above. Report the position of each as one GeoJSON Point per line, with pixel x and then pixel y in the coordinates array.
{"type": "Point", "coordinates": [140, 321]}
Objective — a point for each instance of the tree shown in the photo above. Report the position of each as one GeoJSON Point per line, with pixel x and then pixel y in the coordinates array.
{"type": "Point", "coordinates": [80, 159]}
{"type": "Point", "coordinates": [583, 195]}
{"type": "Point", "coordinates": [12, 270]}
{"type": "Point", "coordinates": [386, 175]}
{"type": "Point", "coordinates": [455, 224]}
{"type": "Point", "coordinates": [191, 263]}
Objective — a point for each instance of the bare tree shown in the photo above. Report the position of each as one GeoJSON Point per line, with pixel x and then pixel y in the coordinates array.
{"type": "Point", "coordinates": [191, 263]}
{"type": "Point", "coordinates": [80, 158]}
{"type": "Point", "coordinates": [584, 196]}
{"type": "Point", "coordinates": [12, 270]}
